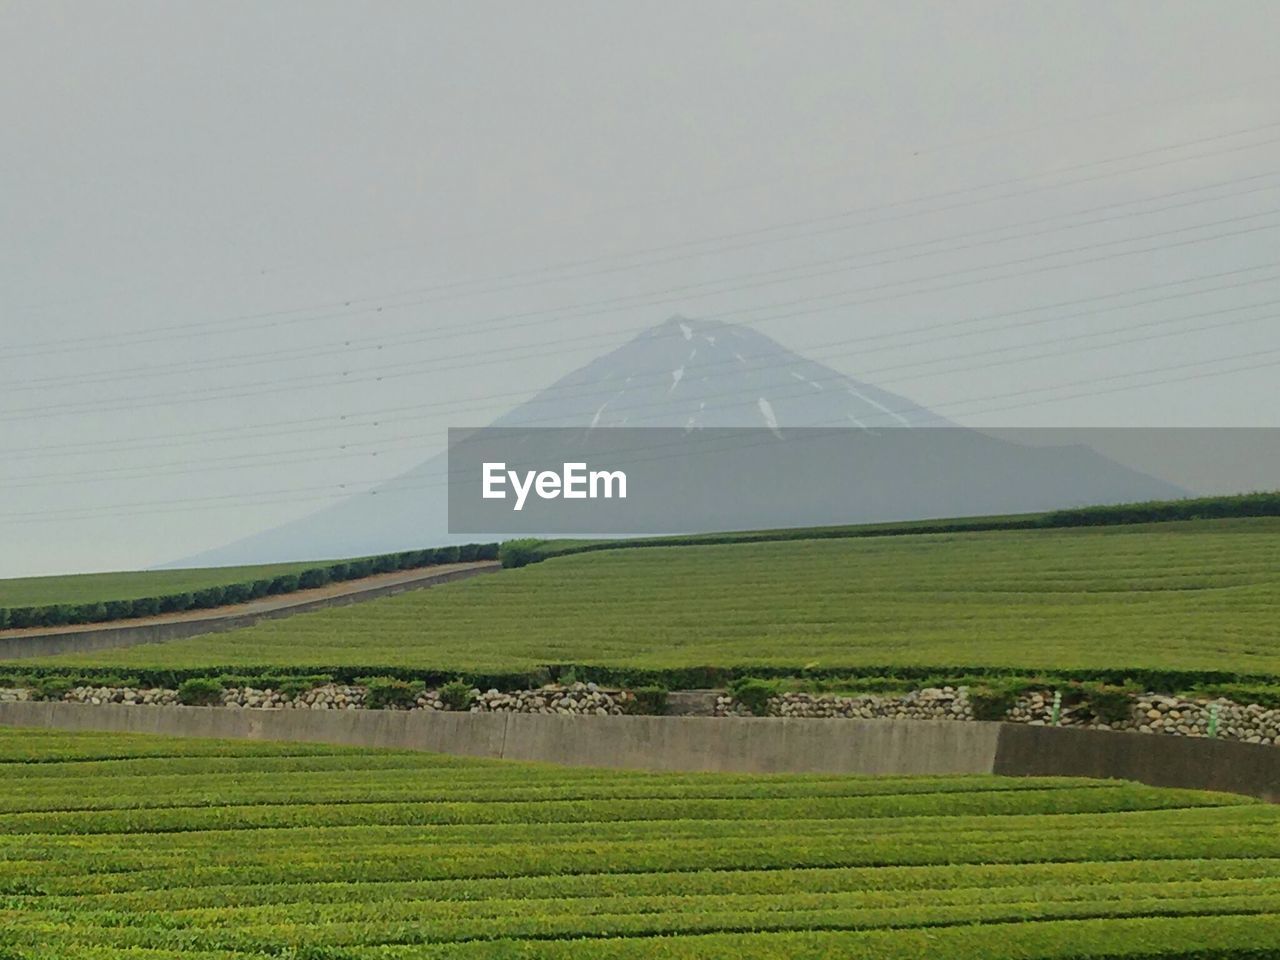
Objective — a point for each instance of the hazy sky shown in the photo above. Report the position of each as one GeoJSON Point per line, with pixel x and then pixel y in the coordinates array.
{"type": "Point", "coordinates": [226, 226]}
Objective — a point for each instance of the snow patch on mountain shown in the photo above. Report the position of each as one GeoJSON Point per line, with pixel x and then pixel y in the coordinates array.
{"type": "Point", "coordinates": [770, 418]}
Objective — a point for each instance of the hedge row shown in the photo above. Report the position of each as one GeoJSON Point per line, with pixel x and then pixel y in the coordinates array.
{"type": "Point", "coordinates": [1160, 511]}
{"type": "Point", "coordinates": [55, 615]}
{"type": "Point", "coordinates": [519, 553]}
{"type": "Point", "coordinates": [1242, 688]}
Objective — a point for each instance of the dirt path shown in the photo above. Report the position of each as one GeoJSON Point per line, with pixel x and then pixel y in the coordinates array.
{"type": "Point", "coordinates": [47, 641]}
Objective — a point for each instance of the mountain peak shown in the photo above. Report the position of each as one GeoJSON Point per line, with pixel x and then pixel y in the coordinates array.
{"type": "Point", "coordinates": [684, 326]}
{"type": "Point", "coordinates": [689, 373]}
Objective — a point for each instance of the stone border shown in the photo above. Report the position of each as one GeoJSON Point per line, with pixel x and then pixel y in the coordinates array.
{"type": "Point", "coordinates": [739, 744]}
{"type": "Point", "coordinates": [577, 699]}
{"type": "Point", "coordinates": [1149, 713]}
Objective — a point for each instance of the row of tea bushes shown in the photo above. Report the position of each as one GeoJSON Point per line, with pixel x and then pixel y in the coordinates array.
{"type": "Point", "coordinates": [107, 610]}
{"type": "Point", "coordinates": [137, 847]}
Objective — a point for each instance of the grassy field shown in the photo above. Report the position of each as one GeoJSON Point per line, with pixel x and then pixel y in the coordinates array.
{"type": "Point", "coordinates": [119, 846]}
{"type": "Point", "coordinates": [94, 587]}
{"type": "Point", "coordinates": [1185, 596]}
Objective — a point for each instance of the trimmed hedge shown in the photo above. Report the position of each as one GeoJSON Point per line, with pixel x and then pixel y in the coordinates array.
{"type": "Point", "coordinates": [519, 553]}
{"type": "Point", "coordinates": [200, 692]}
{"type": "Point", "coordinates": [1161, 511]}
{"type": "Point", "coordinates": [1110, 704]}
{"type": "Point", "coordinates": [1240, 687]}
{"type": "Point", "coordinates": [457, 695]}
{"type": "Point", "coordinates": [382, 693]}
{"type": "Point", "coordinates": [59, 614]}
{"type": "Point", "coordinates": [754, 693]}
{"type": "Point", "coordinates": [648, 701]}
{"type": "Point", "coordinates": [994, 701]}
{"type": "Point", "coordinates": [52, 688]}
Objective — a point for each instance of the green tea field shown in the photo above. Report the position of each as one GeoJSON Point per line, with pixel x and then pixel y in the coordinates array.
{"type": "Point", "coordinates": [114, 846]}
{"type": "Point", "coordinates": [1200, 595]}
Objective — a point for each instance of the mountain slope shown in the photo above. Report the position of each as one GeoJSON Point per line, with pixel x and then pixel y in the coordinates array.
{"type": "Point", "coordinates": [694, 374]}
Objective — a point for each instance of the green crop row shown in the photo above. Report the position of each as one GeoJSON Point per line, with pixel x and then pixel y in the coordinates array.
{"type": "Point", "coordinates": [114, 789]}
{"type": "Point", "coordinates": [217, 595]}
{"type": "Point", "coordinates": [409, 810]}
{"type": "Point", "coordinates": [519, 553]}
{"type": "Point", "coordinates": [666, 918]}
{"type": "Point", "coordinates": [116, 846]}
{"type": "Point", "coordinates": [469, 915]}
{"type": "Point", "coordinates": [255, 853]}
{"type": "Point", "coordinates": [1225, 936]}
{"type": "Point", "coordinates": [625, 888]}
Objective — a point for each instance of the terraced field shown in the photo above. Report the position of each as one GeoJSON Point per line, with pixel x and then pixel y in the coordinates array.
{"type": "Point", "coordinates": [114, 846]}
{"type": "Point", "coordinates": [1201, 595]}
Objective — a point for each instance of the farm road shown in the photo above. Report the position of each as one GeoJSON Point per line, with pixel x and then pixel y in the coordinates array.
{"type": "Point", "coordinates": [78, 638]}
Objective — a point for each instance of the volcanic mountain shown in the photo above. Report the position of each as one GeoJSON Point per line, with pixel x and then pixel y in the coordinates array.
{"type": "Point", "coordinates": [690, 374]}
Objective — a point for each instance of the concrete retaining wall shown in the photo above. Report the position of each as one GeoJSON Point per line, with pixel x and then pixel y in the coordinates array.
{"type": "Point", "coordinates": [132, 633]}
{"type": "Point", "coordinates": [742, 744]}
{"type": "Point", "coordinates": [752, 745]}
{"type": "Point", "coordinates": [1161, 761]}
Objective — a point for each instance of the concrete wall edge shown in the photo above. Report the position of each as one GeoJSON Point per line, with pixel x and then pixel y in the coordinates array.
{"type": "Point", "coordinates": [725, 744]}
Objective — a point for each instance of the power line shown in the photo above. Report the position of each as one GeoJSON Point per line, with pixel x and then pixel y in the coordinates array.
{"type": "Point", "coordinates": [327, 423]}
{"type": "Point", "coordinates": [261, 320]}
{"type": "Point", "coordinates": [344, 346]}
{"type": "Point", "coordinates": [998, 134]}
{"type": "Point", "coordinates": [189, 466]}
{"type": "Point", "coordinates": [338, 489]}
{"type": "Point", "coordinates": [416, 367]}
